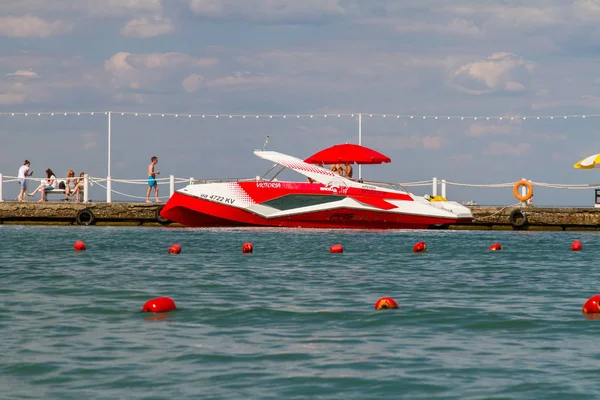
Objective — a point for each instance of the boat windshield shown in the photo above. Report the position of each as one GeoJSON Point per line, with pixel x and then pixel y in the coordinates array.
{"type": "Point", "coordinates": [385, 185]}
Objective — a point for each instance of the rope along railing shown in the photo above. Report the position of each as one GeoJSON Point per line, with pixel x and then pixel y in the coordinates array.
{"type": "Point", "coordinates": [91, 181]}
{"type": "Point", "coordinates": [129, 195]}
{"type": "Point", "coordinates": [482, 185]}
{"type": "Point", "coordinates": [419, 183]}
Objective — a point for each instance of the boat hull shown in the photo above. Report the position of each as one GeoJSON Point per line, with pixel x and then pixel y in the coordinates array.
{"type": "Point", "coordinates": [193, 211]}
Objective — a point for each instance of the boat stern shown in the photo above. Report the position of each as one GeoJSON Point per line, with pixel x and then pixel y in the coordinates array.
{"type": "Point", "coordinates": [462, 213]}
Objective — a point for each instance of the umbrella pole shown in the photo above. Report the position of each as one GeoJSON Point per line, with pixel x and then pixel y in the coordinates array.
{"type": "Point", "coordinates": [359, 142]}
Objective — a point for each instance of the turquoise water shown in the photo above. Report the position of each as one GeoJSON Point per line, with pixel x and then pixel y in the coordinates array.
{"type": "Point", "coordinates": [293, 321]}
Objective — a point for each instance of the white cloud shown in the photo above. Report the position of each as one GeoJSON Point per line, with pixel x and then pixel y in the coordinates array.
{"type": "Point", "coordinates": [25, 61]}
{"type": "Point", "coordinates": [268, 10]}
{"type": "Point", "coordinates": [24, 73]}
{"type": "Point", "coordinates": [587, 10]}
{"type": "Point", "coordinates": [147, 28]}
{"type": "Point", "coordinates": [512, 86]}
{"type": "Point", "coordinates": [457, 26]}
{"type": "Point", "coordinates": [145, 71]}
{"type": "Point", "coordinates": [503, 149]}
{"type": "Point", "coordinates": [123, 74]}
{"type": "Point", "coordinates": [137, 5]}
{"type": "Point", "coordinates": [549, 137]}
{"type": "Point", "coordinates": [581, 101]}
{"type": "Point", "coordinates": [13, 94]}
{"type": "Point", "coordinates": [192, 82]}
{"type": "Point", "coordinates": [169, 60]}
{"type": "Point", "coordinates": [432, 142]}
{"type": "Point", "coordinates": [502, 72]}
{"type": "Point", "coordinates": [12, 98]}
{"type": "Point", "coordinates": [335, 64]}
{"type": "Point", "coordinates": [90, 7]}
{"type": "Point", "coordinates": [509, 17]}
{"type": "Point", "coordinates": [242, 79]}
{"type": "Point", "coordinates": [90, 140]}
{"type": "Point", "coordinates": [479, 130]}
{"type": "Point", "coordinates": [405, 142]}
{"type": "Point", "coordinates": [461, 157]}
{"type": "Point", "coordinates": [31, 26]}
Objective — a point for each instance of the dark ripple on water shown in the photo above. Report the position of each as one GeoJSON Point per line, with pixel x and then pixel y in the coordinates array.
{"type": "Point", "coordinates": [293, 320]}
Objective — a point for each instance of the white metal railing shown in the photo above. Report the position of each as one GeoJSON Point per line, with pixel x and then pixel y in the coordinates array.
{"type": "Point", "coordinates": [434, 183]}
{"type": "Point", "coordinates": [105, 183]}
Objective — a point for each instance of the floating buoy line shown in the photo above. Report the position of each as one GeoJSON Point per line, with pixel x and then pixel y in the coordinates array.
{"type": "Point", "coordinates": [166, 304]}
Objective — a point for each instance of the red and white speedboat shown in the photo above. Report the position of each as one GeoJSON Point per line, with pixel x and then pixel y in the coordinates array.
{"type": "Point", "coordinates": [332, 201]}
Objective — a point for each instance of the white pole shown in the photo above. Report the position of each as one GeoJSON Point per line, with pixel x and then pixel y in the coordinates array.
{"type": "Point", "coordinates": [360, 142]}
{"type": "Point", "coordinates": [108, 180]}
{"type": "Point", "coordinates": [86, 181]}
{"type": "Point", "coordinates": [1, 198]}
{"type": "Point", "coordinates": [191, 181]}
{"type": "Point", "coordinates": [172, 184]}
{"type": "Point", "coordinates": [108, 189]}
{"type": "Point", "coordinates": [523, 190]}
{"type": "Point", "coordinates": [444, 188]}
{"type": "Point", "coordinates": [434, 187]}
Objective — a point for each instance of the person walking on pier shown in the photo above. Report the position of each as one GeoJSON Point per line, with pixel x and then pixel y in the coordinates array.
{"type": "Point", "coordinates": [22, 176]}
{"type": "Point", "coordinates": [152, 180]}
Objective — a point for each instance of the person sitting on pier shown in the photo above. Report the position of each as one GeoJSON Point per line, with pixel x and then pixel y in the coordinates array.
{"type": "Point", "coordinates": [78, 187]}
{"type": "Point", "coordinates": [50, 184]}
{"type": "Point", "coordinates": [70, 184]}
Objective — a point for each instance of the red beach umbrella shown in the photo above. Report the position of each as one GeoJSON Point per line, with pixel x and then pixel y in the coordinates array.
{"type": "Point", "coordinates": [348, 153]}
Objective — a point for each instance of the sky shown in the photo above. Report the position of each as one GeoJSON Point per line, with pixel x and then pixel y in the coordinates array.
{"type": "Point", "coordinates": [434, 58]}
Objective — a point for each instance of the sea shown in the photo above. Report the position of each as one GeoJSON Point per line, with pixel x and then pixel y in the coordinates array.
{"type": "Point", "coordinates": [294, 321]}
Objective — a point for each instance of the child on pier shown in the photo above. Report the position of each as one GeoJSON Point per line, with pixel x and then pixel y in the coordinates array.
{"type": "Point", "coordinates": [22, 176]}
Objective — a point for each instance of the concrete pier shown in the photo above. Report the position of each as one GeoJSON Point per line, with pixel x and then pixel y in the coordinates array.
{"type": "Point", "coordinates": [536, 218]}
{"type": "Point", "coordinates": [65, 213]}
{"type": "Point", "coordinates": [142, 214]}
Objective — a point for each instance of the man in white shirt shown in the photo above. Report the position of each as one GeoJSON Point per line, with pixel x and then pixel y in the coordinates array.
{"type": "Point", "coordinates": [23, 174]}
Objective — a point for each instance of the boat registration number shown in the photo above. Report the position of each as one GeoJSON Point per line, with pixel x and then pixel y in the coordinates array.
{"type": "Point", "coordinates": [214, 197]}
{"type": "Point", "coordinates": [341, 216]}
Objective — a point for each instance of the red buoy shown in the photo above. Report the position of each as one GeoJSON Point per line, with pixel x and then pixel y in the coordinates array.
{"type": "Point", "coordinates": [592, 305]}
{"type": "Point", "coordinates": [336, 248]}
{"type": "Point", "coordinates": [247, 248]}
{"type": "Point", "coordinates": [79, 246]}
{"type": "Point", "coordinates": [496, 246]}
{"type": "Point", "coordinates": [419, 247]}
{"type": "Point", "coordinates": [175, 249]}
{"type": "Point", "coordinates": [386, 302]}
{"type": "Point", "coordinates": [159, 304]}
{"type": "Point", "coordinates": [576, 246]}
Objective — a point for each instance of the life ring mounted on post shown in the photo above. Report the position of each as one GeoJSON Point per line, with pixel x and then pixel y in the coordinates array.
{"type": "Point", "coordinates": [527, 195]}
